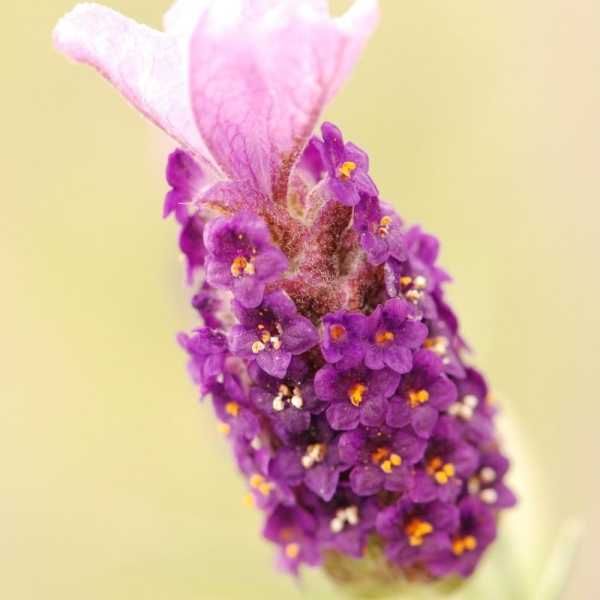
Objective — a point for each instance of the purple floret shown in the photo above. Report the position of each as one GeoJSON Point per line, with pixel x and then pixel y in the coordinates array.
{"type": "Point", "coordinates": [487, 483]}
{"type": "Point", "coordinates": [311, 457]}
{"type": "Point", "coordinates": [289, 400]}
{"type": "Point", "coordinates": [473, 411]}
{"type": "Point", "coordinates": [294, 530]}
{"type": "Point", "coordinates": [380, 230]}
{"type": "Point", "coordinates": [347, 167]}
{"type": "Point", "coordinates": [357, 394]}
{"type": "Point", "coordinates": [186, 177]}
{"type": "Point", "coordinates": [271, 333]}
{"type": "Point", "coordinates": [346, 522]}
{"type": "Point", "coordinates": [382, 457]}
{"type": "Point", "coordinates": [422, 394]}
{"type": "Point", "coordinates": [208, 350]}
{"type": "Point", "coordinates": [241, 257]}
{"type": "Point", "coordinates": [447, 464]}
{"type": "Point", "coordinates": [476, 532]}
{"type": "Point", "coordinates": [231, 407]}
{"type": "Point", "coordinates": [342, 335]}
{"type": "Point", "coordinates": [390, 334]}
{"type": "Point", "coordinates": [192, 245]}
{"type": "Point", "coordinates": [417, 531]}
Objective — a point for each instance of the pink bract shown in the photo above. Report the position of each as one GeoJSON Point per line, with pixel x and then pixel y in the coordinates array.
{"type": "Point", "coordinates": [240, 84]}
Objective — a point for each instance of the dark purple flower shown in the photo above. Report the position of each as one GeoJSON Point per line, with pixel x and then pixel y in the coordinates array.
{"type": "Point", "coordinates": [342, 333]}
{"type": "Point", "coordinates": [417, 279]}
{"type": "Point", "coordinates": [382, 457]}
{"type": "Point", "coordinates": [476, 532]}
{"type": "Point", "coordinates": [253, 460]}
{"type": "Point", "coordinates": [448, 463]}
{"type": "Point", "coordinates": [347, 167]}
{"type": "Point", "coordinates": [390, 334]}
{"type": "Point", "coordinates": [311, 457]}
{"type": "Point", "coordinates": [208, 350]}
{"type": "Point", "coordinates": [487, 483]}
{"type": "Point", "coordinates": [192, 245]}
{"type": "Point", "coordinates": [380, 230]}
{"type": "Point", "coordinates": [241, 258]}
{"type": "Point", "coordinates": [209, 304]}
{"type": "Point", "coordinates": [417, 531]}
{"type": "Point", "coordinates": [231, 407]}
{"type": "Point", "coordinates": [357, 394]}
{"type": "Point", "coordinates": [346, 522]}
{"type": "Point", "coordinates": [185, 176]}
{"type": "Point", "coordinates": [289, 400]}
{"type": "Point", "coordinates": [472, 410]}
{"type": "Point", "coordinates": [422, 394]}
{"type": "Point", "coordinates": [294, 530]}
{"type": "Point", "coordinates": [271, 333]}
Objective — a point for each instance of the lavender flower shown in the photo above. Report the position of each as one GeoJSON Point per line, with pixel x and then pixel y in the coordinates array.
{"type": "Point", "coordinates": [271, 333]}
{"type": "Point", "coordinates": [335, 366]}
{"type": "Point", "coordinates": [241, 258]}
{"type": "Point", "coordinates": [347, 167]}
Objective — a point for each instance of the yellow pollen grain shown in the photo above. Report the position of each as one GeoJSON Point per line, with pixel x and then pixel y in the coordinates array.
{"type": "Point", "coordinates": [346, 169]}
{"type": "Point", "coordinates": [385, 221]}
{"type": "Point", "coordinates": [434, 465]}
{"type": "Point", "coordinates": [458, 547]}
{"type": "Point", "coordinates": [396, 460]}
{"type": "Point", "coordinates": [249, 501]}
{"type": "Point", "coordinates": [417, 530]}
{"type": "Point", "coordinates": [380, 454]}
{"type": "Point", "coordinates": [264, 488]}
{"type": "Point", "coordinates": [417, 398]}
{"type": "Point", "coordinates": [265, 337]}
{"type": "Point", "coordinates": [223, 428]}
{"type": "Point", "coordinates": [356, 393]}
{"type": "Point", "coordinates": [470, 543]}
{"type": "Point", "coordinates": [261, 326]}
{"type": "Point", "coordinates": [238, 266]}
{"type": "Point", "coordinates": [257, 347]}
{"type": "Point", "coordinates": [449, 470]}
{"type": "Point", "coordinates": [406, 280]}
{"type": "Point", "coordinates": [337, 332]}
{"type": "Point", "coordinates": [233, 409]}
{"type": "Point", "coordinates": [386, 466]}
{"type": "Point", "coordinates": [441, 478]}
{"type": "Point", "coordinates": [384, 336]}
{"type": "Point", "coordinates": [256, 480]}
{"type": "Point", "coordinates": [276, 343]}
{"type": "Point", "coordinates": [292, 550]}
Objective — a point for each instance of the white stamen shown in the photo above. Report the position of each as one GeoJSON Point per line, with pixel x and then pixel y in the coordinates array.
{"type": "Point", "coordinates": [257, 347]}
{"type": "Point", "coordinates": [454, 410]}
{"type": "Point", "coordinates": [420, 282]}
{"type": "Point", "coordinates": [297, 401]}
{"type": "Point", "coordinates": [352, 515]}
{"type": "Point", "coordinates": [220, 378]}
{"type": "Point", "coordinates": [276, 342]}
{"type": "Point", "coordinates": [489, 496]}
{"type": "Point", "coordinates": [471, 401]}
{"type": "Point", "coordinates": [307, 461]}
{"type": "Point", "coordinates": [256, 443]}
{"type": "Point", "coordinates": [278, 403]}
{"type": "Point", "coordinates": [466, 412]}
{"type": "Point", "coordinates": [488, 474]}
{"type": "Point", "coordinates": [473, 486]}
{"type": "Point", "coordinates": [337, 525]}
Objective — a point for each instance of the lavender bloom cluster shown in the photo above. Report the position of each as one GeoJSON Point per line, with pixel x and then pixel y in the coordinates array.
{"type": "Point", "coordinates": [336, 370]}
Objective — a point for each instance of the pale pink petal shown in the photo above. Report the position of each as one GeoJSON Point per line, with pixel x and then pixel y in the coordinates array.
{"type": "Point", "coordinates": [258, 85]}
{"type": "Point", "coordinates": [143, 64]}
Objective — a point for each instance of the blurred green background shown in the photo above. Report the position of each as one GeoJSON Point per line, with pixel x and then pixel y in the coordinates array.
{"type": "Point", "coordinates": [482, 120]}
